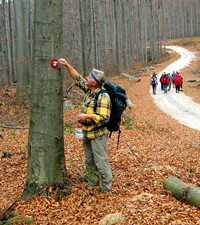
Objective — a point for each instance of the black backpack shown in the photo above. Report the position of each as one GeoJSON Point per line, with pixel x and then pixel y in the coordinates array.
{"type": "Point", "coordinates": [118, 100]}
{"type": "Point", "coordinates": [153, 81]}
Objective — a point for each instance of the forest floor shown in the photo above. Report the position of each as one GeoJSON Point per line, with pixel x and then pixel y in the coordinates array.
{"type": "Point", "coordinates": [153, 147]}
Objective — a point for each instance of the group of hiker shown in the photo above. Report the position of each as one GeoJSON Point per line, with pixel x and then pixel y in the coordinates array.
{"type": "Point", "coordinates": [167, 81]}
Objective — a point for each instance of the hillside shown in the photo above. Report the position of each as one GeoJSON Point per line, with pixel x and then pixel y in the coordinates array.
{"type": "Point", "coordinates": [153, 147]}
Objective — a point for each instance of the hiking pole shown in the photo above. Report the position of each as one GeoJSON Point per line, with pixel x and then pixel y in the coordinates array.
{"type": "Point", "coordinates": [119, 132]}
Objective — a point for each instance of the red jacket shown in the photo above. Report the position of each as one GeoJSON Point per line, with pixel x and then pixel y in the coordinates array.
{"type": "Point", "coordinates": [177, 80]}
{"type": "Point", "coordinates": [165, 80]}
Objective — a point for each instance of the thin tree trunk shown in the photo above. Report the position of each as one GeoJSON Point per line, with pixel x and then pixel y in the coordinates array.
{"type": "Point", "coordinates": [116, 37]}
{"type": "Point", "coordinates": [21, 10]}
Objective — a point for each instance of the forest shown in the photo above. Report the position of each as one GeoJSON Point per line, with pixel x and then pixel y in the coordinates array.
{"type": "Point", "coordinates": [42, 163]}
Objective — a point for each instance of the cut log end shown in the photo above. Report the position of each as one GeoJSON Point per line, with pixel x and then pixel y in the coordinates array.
{"type": "Point", "coordinates": [182, 191]}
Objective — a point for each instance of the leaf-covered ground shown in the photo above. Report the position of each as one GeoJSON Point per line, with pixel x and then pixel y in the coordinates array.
{"type": "Point", "coordinates": [153, 147]}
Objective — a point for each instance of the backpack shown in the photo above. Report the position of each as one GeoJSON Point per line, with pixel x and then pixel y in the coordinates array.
{"type": "Point", "coordinates": [153, 81]}
{"type": "Point", "coordinates": [165, 81]}
{"type": "Point", "coordinates": [177, 80]}
{"type": "Point", "coordinates": [118, 100]}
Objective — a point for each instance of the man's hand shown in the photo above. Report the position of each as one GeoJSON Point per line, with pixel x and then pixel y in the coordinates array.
{"type": "Point", "coordinates": [63, 61]}
{"type": "Point", "coordinates": [73, 73]}
{"type": "Point", "coordinates": [83, 117]}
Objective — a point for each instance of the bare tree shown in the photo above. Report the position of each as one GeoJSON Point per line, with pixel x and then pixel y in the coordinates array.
{"type": "Point", "coordinates": [111, 35]}
{"type": "Point", "coordinates": [116, 56]}
{"type": "Point", "coordinates": [22, 54]}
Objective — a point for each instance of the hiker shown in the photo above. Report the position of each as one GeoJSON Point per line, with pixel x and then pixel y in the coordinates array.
{"type": "Point", "coordinates": [172, 76]}
{"type": "Point", "coordinates": [177, 81]}
{"type": "Point", "coordinates": [164, 82]}
{"type": "Point", "coordinates": [161, 77]}
{"type": "Point", "coordinates": [170, 81]}
{"type": "Point", "coordinates": [154, 82]}
{"type": "Point", "coordinates": [94, 132]}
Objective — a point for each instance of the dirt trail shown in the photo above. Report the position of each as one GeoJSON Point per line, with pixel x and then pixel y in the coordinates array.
{"type": "Point", "coordinates": [178, 105]}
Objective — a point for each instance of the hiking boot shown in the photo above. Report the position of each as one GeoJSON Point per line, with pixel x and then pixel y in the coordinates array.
{"type": "Point", "coordinates": [91, 185]}
{"type": "Point", "coordinates": [104, 191]}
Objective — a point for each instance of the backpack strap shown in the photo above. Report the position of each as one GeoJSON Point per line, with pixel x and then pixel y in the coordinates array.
{"type": "Point", "coordinates": [95, 106]}
{"type": "Point", "coordinates": [96, 98]}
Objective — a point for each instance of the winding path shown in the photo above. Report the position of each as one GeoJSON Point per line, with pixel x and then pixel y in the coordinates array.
{"type": "Point", "coordinates": [178, 105]}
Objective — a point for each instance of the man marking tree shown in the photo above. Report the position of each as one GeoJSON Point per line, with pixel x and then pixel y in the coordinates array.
{"type": "Point", "coordinates": [95, 134]}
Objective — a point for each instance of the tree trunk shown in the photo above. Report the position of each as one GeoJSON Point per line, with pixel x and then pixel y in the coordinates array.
{"type": "Point", "coordinates": [116, 37]}
{"type": "Point", "coordinates": [104, 19]}
{"type": "Point", "coordinates": [182, 191]}
{"type": "Point", "coordinates": [3, 56]}
{"type": "Point", "coordinates": [46, 160]}
{"type": "Point", "coordinates": [85, 35]}
{"type": "Point", "coordinates": [21, 11]}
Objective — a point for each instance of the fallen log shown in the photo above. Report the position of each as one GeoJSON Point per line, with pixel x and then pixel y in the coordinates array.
{"type": "Point", "coordinates": [176, 187]}
{"type": "Point", "coordinates": [193, 196]}
{"type": "Point", "coordinates": [182, 191]}
{"type": "Point", "coordinates": [193, 80]}
{"type": "Point", "coordinates": [12, 127]}
{"type": "Point", "coordinates": [131, 77]}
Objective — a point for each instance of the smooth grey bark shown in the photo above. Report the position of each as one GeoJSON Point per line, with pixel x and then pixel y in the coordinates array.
{"type": "Point", "coordinates": [161, 37]}
{"type": "Point", "coordinates": [144, 32]}
{"type": "Point", "coordinates": [72, 33]}
{"type": "Point", "coordinates": [104, 20]}
{"type": "Point", "coordinates": [124, 38]}
{"type": "Point", "coordinates": [22, 54]}
{"type": "Point", "coordinates": [94, 33]}
{"type": "Point", "coordinates": [46, 159]}
{"type": "Point", "coordinates": [138, 32]}
{"type": "Point", "coordinates": [152, 32]}
{"type": "Point", "coordinates": [116, 56]}
{"type": "Point", "coordinates": [85, 26]}
{"type": "Point", "coordinates": [131, 35]}
{"type": "Point", "coordinates": [9, 46]}
{"type": "Point", "coordinates": [5, 45]}
{"type": "Point", "coordinates": [3, 71]}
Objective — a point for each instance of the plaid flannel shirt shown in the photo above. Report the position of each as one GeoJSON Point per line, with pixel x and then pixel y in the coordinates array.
{"type": "Point", "coordinates": [102, 114]}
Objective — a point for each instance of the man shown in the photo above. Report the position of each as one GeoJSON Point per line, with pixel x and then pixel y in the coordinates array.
{"type": "Point", "coordinates": [154, 82]}
{"type": "Point", "coordinates": [94, 131]}
{"type": "Point", "coordinates": [178, 82]}
{"type": "Point", "coordinates": [165, 82]}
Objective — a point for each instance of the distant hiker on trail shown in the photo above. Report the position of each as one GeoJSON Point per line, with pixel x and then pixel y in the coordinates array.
{"type": "Point", "coordinates": [170, 81]}
{"type": "Point", "coordinates": [178, 82]}
{"type": "Point", "coordinates": [161, 77]}
{"type": "Point", "coordinates": [154, 82]}
{"type": "Point", "coordinates": [172, 76]}
{"type": "Point", "coordinates": [94, 132]}
{"type": "Point", "coordinates": [164, 82]}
